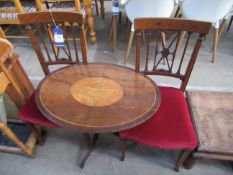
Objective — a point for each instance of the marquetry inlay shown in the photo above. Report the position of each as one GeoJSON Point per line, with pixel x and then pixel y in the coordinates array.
{"type": "Point", "coordinates": [96, 91]}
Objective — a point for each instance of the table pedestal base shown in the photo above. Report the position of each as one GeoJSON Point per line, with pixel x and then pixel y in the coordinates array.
{"type": "Point", "coordinates": [91, 144]}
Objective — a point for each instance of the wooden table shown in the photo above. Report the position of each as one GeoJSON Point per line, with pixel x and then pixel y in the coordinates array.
{"type": "Point", "coordinates": [97, 98]}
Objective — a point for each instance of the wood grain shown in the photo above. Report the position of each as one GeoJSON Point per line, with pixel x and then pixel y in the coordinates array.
{"type": "Point", "coordinates": [213, 120]}
{"type": "Point", "coordinates": [138, 101]}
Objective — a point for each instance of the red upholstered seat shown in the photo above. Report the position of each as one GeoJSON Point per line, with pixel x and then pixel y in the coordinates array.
{"type": "Point", "coordinates": [30, 113]}
{"type": "Point", "coordinates": [171, 126]}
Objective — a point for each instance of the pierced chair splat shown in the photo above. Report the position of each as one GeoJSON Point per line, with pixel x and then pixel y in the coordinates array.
{"type": "Point", "coordinates": [171, 126]}
{"type": "Point", "coordinates": [40, 28]}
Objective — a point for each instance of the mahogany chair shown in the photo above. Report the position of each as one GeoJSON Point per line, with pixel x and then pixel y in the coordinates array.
{"type": "Point", "coordinates": [171, 127]}
{"type": "Point", "coordinates": [39, 29]}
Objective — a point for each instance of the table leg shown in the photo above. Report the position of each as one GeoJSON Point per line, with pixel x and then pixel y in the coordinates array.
{"type": "Point", "coordinates": [91, 145]}
{"type": "Point", "coordinates": [90, 20]}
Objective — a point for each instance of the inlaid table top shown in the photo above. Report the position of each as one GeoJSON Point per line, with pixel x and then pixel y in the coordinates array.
{"type": "Point", "coordinates": [97, 98]}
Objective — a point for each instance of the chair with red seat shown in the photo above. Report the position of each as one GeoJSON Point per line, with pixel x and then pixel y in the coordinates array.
{"type": "Point", "coordinates": [171, 126]}
{"type": "Point", "coordinates": [40, 29]}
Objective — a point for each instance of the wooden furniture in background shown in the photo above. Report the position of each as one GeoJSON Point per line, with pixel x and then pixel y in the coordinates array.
{"type": "Point", "coordinates": [22, 88]}
{"type": "Point", "coordinates": [229, 25]}
{"type": "Point", "coordinates": [212, 118]}
{"type": "Point", "coordinates": [102, 9]}
{"type": "Point", "coordinates": [8, 15]}
{"type": "Point", "coordinates": [28, 147]}
{"type": "Point", "coordinates": [113, 28]}
{"type": "Point", "coordinates": [17, 85]}
{"type": "Point", "coordinates": [40, 29]}
{"type": "Point", "coordinates": [212, 11]}
{"type": "Point", "coordinates": [97, 98]}
{"type": "Point", "coordinates": [171, 127]}
{"type": "Point", "coordinates": [9, 64]}
{"type": "Point", "coordinates": [145, 9]}
{"type": "Point", "coordinates": [71, 5]}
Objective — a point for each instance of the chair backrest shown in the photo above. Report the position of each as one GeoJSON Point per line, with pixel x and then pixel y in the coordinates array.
{"type": "Point", "coordinates": [10, 9]}
{"type": "Point", "coordinates": [148, 8]}
{"type": "Point", "coordinates": [69, 5]}
{"type": "Point", "coordinates": [177, 64]}
{"type": "Point", "coordinates": [40, 29]}
{"type": "Point", "coordinates": [209, 10]}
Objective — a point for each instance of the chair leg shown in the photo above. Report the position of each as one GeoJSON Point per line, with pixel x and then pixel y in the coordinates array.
{"type": "Point", "coordinates": [119, 19]}
{"type": "Point", "coordinates": [163, 38]}
{"type": "Point", "coordinates": [217, 35]}
{"type": "Point", "coordinates": [122, 149]}
{"type": "Point", "coordinates": [215, 43]}
{"type": "Point", "coordinates": [222, 27]}
{"type": "Point", "coordinates": [189, 162]}
{"type": "Point", "coordinates": [102, 8]}
{"type": "Point", "coordinates": [126, 21]}
{"type": "Point", "coordinates": [180, 39]}
{"type": "Point", "coordinates": [96, 8]}
{"type": "Point", "coordinates": [38, 133]}
{"type": "Point", "coordinates": [183, 155]}
{"type": "Point", "coordinates": [114, 33]}
{"type": "Point", "coordinates": [229, 25]}
{"type": "Point", "coordinates": [6, 130]}
{"type": "Point", "coordinates": [110, 31]}
{"type": "Point", "coordinates": [129, 46]}
{"type": "Point", "coordinates": [177, 13]}
{"type": "Point", "coordinates": [128, 25]}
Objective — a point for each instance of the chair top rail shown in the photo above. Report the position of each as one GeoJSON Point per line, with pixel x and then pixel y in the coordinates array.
{"type": "Point", "coordinates": [201, 27]}
{"type": "Point", "coordinates": [45, 17]}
